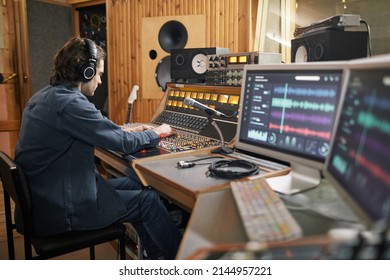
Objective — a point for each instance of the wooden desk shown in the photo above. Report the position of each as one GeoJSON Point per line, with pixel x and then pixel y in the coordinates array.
{"type": "Point", "coordinates": [183, 186]}
{"type": "Point", "coordinates": [214, 217]}
{"type": "Point", "coordinates": [215, 222]}
{"type": "Point", "coordinates": [113, 161]}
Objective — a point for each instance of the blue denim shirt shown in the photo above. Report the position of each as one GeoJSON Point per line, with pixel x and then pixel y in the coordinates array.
{"type": "Point", "coordinates": [59, 131]}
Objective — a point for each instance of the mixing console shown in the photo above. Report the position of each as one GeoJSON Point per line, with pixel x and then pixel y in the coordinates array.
{"type": "Point", "coordinates": [194, 130]}
{"type": "Point", "coordinates": [183, 140]}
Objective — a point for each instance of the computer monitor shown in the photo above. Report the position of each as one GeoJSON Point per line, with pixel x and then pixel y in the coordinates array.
{"type": "Point", "coordinates": [358, 164]}
{"type": "Point", "coordinates": [287, 112]}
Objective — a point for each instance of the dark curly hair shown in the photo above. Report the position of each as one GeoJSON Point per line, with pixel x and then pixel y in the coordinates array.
{"type": "Point", "coordinates": [68, 60]}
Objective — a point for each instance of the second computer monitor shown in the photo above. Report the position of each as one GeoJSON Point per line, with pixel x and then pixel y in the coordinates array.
{"type": "Point", "coordinates": [358, 164]}
{"type": "Point", "coordinates": [287, 112]}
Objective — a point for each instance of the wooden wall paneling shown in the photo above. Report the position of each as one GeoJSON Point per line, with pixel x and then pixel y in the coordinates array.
{"type": "Point", "coordinates": [128, 52]}
{"type": "Point", "coordinates": [112, 58]}
{"type": "Point", "coordinates": [232, 34]}
{"type": "Point", "coordinates": [110, 55]}
{"type": "Point", "coordinates": [178, 7]}
{"type": "Point", "coordinates": [215, 29]}
{"type": "Point", "coordinates": [245, 27]}
{"type": "Point", "coordinates": [226, 21]}
{"type": "Point", "coordinates": [111, 51]}
{"type": "Point", "coordinates": [118, 65]}
{"type": "Point", "coordinates": [154, 8]}
{"type": "Point", "coordinates": [224, 18]}
{"type": "Point", "coordinates": [11, 96]}
{"type": "Point", "coordinates": [214, 25]}
{"type": "Point", "coordinates": [208, 20]}
{"type": "Point", "coordinates": [227, 24]}
{"type": "Point", "coordinates": [132, 47]}
{"type": "Point", "coordinates": [134, 43]}
{"type": "Point", "coordinates": [77, 1]}
{"type": "Point", "coordinates": [241, 30]}
{"type": "Point", "coordinates": [125, 61]}
{"type": "Point", "coordinates": [133, 27]}
{"type": "Point", "coordinates": [21, 40]}
{"type": "Point", "coordinates": [120, 62]}
{"type": "Point", "coordinates": [84, 3]}
{"type": "Point", "coordinates": [228, 36]}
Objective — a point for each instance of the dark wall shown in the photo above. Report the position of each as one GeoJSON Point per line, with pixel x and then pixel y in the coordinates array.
{"type": "Point", "coordinates": [93, 26]}
{"type": "Point", "coordinates": [49, 26]}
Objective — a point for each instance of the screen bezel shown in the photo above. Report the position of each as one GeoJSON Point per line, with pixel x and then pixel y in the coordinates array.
{"type": "Point", "coordinates": [285, 156]}
{"type": "Point", "coordinates": [377, 62]}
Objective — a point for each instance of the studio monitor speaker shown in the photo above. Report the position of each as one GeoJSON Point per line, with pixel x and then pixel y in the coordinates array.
{"type": "Point", "coordinates": [190, 64]}
{"type": "Point", "coordinates": [329, 45]}
{"type": "Point", "coordinates": [159, 35]}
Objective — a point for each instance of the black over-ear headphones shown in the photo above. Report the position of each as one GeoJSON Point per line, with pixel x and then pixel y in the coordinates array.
{"type": "Point", "coordinates": [88, 69]}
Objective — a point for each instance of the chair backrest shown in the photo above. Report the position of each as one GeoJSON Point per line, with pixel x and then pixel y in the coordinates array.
{"type": "Point", "coordinates": [16, 187]}
{"type": "Point", "coordinates": [6, 167]}
{"type": "Point", "coordinates": [15, 184]}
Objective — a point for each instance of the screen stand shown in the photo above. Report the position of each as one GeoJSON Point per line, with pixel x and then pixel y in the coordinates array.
{"type": "Point", "coordinates": [223, 149]}
{"type": "Point", "coordinates": [300, 178]}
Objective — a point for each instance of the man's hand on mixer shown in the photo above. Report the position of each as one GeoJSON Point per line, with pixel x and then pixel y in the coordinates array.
{"type": "Point", "coordinates": [139, 128]}
{"type": "Point", "coordinates": [164, 130]}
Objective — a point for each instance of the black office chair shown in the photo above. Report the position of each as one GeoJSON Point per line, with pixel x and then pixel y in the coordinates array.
{"type": "Point", "coordinates": [15, 187]}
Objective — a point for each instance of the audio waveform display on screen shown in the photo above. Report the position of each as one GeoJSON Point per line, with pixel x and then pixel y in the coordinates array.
{"type": "Point", "coordinates": [292, 111]}
{"type": "Point", "coordinates": [361, 151]}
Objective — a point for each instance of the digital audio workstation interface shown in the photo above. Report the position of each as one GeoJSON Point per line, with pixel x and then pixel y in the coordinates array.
{"type": "Point", "coordinates": [294, 111]}
{"type": "Point", "coordinates": [288, 113]}
{"type": "Point", "coordinates": [359, 160]}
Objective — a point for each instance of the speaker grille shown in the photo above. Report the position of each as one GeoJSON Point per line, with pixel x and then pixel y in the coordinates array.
{"type": "Point", "coordinates": [329, 45]}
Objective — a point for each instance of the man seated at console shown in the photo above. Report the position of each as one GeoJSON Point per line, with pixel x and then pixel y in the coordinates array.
{"type": "Point", "coordinates": [60, 129]}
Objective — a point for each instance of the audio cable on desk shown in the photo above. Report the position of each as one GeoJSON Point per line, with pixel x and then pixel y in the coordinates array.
{"type": "Point", "coordinates": [192, 163]}
{"type": "Point", "coordinates": [233, 169]}
{"type": "Point", "coordinates": [224, 168]}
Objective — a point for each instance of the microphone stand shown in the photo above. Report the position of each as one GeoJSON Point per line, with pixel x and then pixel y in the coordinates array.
{"type": "Point", "coordinates": [223, 149]}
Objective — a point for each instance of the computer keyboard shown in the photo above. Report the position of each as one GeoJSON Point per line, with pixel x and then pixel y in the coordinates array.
{"type": "Point", "coordinates": [264, 214]}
